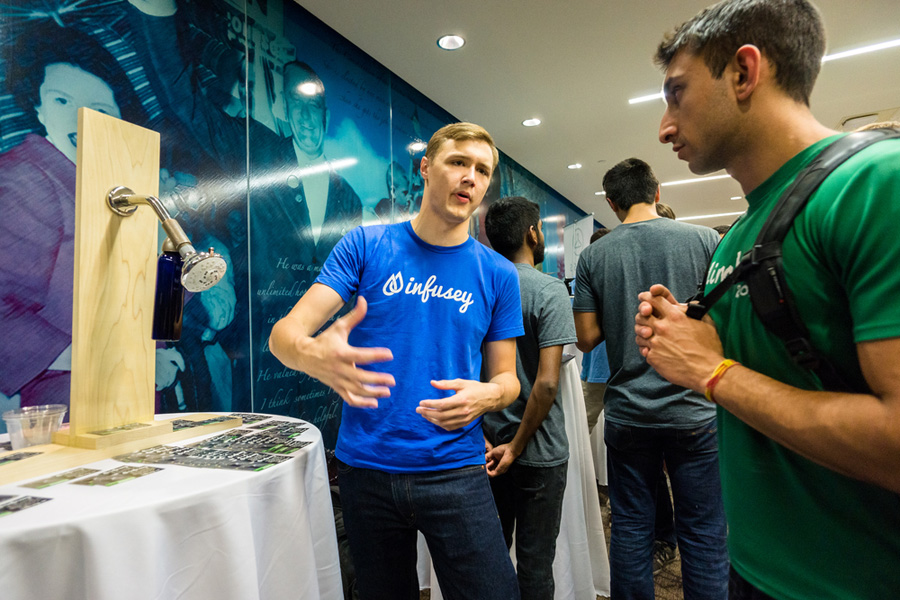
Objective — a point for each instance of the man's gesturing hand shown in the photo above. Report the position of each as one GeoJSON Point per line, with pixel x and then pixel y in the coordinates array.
{"type": "Point", "coordinates": [329, 357]}
{"type": "Point", "coordinates": [471, 400]}
{"type": "Point", "coordinates": [336, 363]}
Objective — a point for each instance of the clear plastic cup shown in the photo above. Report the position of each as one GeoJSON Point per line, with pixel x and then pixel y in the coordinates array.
{"type": "Point", "coordinates": [33, 425]}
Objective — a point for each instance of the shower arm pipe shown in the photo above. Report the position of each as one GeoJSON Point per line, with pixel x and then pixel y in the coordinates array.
{"type": "Point", "coordinates": [123, 201]}
{"type": "Point", "coordinates": [201, 270]}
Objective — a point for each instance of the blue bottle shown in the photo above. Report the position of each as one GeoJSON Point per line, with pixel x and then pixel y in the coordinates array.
{"type": "Point", "coordinates": [168, 302]}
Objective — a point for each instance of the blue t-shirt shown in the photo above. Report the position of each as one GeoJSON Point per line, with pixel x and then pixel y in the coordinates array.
{"type": "Point", "coordinates": [595, 365]}
{"type": "Point", "coordinates": [434, 307]}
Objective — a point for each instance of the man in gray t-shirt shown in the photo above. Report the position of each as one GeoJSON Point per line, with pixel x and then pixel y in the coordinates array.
{"type": "Point", "coordinates": [649, 420]}
{"type": "Point", "coordinates": [528, 450]}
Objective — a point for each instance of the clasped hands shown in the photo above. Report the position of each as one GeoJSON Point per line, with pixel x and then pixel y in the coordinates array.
{"type": "Point", "coordinates": [683, 350]}
{"type": "Point", "coordinates": [333, 361]}
{"type": "Point", "coordinates": [500, 458]}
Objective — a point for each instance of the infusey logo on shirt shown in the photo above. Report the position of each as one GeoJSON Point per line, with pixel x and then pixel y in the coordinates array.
{"type": "Point", "coordinates": [426, 291]}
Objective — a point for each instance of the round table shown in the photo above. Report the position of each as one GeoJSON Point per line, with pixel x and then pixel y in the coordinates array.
{"type": "Point", "coordinates": [181, 532]}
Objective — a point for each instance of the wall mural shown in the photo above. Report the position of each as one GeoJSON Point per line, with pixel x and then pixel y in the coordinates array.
{"type": "Point", "coordinates": [278, 136]}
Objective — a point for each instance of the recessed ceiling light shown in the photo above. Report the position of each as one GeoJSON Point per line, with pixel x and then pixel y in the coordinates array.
{"type": "Point", "coordinates": [531, 122]}
{"type": "Point", "coordinates": [695, 180]}
{"type": "Point", "coordinates": [863, 50]}
{"type": "Point", "coordinates": [451, 42]}
{"type": "Point", "coordinates": [417, 147]}
{"type": "Point", "coordinates": [575, 166]}
{"type": "Point", "coordinates": [728, 214]}
{"type": "Point", "coordinates": [736, 197]}
{"type": "Point", "coordinates": [599, 193]}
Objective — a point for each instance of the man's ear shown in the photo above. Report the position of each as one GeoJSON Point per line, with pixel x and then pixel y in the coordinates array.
{"type": "Point", "coordinates": [531, 236]}
{"type": "Point", "coordinates": [747, 65]}
{"type": "Point", "coordinates": [612, 205]}
{"type": "Point", "coordinates": [423, 168]}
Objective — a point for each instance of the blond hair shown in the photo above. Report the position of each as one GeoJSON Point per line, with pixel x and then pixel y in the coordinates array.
{"type": "Point", "coordinates": [460, 132]}
{"type": "Point", "coordinates": [664, 210]}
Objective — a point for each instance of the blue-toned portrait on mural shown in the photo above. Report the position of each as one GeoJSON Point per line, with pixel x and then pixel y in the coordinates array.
{"type": "Point", "coordinates": [157, 64]}
{"type": "Point", "coordinates": [149, 63]}
{"type": "Point", "coordinates": [278, 136]}
{"type": "Point", "coordinates": [316, 178]}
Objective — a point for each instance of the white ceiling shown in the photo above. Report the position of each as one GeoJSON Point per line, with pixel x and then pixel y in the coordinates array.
{"type": "Point", "coordinates": [575, 63]}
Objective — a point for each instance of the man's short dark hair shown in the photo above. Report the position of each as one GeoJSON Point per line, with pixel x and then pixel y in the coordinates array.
{"type": "Point", "coordinates": [508, 220]}
{"type": "Point", "coordinates": [789, 34]}
{"type": "Point", "coordinates": [722, 229]}
{"type": "Point", "coordinates": [630, 182]}
{"type": "Point", "coordinates": [599, 234]}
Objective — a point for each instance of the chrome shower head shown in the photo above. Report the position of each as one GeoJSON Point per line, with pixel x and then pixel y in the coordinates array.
{"type": "Point", "coordinates": [202, 270]}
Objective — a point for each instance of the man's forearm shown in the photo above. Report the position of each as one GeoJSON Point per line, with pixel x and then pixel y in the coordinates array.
{"type": "Point", "coordinates": [588, 330]}
{"type": "Point", "coordinates": [857, 435]}
{"type": "Point", "coordinates": [291, 339]}
{"type": "Point", "coordinates": [289, 343]}
{"type": "Point", "coordinates": [502, 386]}
{"type": "Point", "coordinates": [543, 394]}
{"type": "Point", "coordinates": [507, 390]}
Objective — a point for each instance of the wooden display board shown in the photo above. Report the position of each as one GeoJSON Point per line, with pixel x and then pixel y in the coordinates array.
{"type": "Point", "coordinates": [113, 354]}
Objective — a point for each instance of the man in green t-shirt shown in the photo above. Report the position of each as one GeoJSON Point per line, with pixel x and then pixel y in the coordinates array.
{"type": "Point", "coordinates": [810, 478]}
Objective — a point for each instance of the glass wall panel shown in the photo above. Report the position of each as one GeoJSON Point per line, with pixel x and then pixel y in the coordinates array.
{"type": "Point", "coordinates": [278, 136]}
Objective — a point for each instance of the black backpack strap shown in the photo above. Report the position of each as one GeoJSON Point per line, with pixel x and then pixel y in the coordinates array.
{"type": "Point", "coordinates": [804, 186]}
{"type": "Point", "coordinates": [699, 304]}
{"type": "Point", "coordinates": [762, 267]}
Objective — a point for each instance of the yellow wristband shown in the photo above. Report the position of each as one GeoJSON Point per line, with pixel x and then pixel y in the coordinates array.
{"type": "Point", "coordinates": [716, 376]}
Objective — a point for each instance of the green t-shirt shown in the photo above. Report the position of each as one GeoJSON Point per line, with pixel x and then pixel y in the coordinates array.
{"type": "Point", "coordinates": [798, 530]}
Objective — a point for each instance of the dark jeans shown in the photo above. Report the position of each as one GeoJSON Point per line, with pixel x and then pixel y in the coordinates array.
{"type": "Point", "coordinates": [455, 512]}
{"type": "Point", "coordinates": [664, 526]}
{"type": "Point", "coordinates": [740, 589]}
{"type": "Point", "coordinates": [634, 456]}
{"type": "Point", "coordinates": [529, 500]}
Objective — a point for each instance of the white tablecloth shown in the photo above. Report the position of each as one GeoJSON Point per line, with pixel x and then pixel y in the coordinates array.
{"type": "Point", "coordinates": [581, 567]}
{"type": "Point", "coordinates": [183, 533]}
{"type": "Point", "coordinates": [598, 449]}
